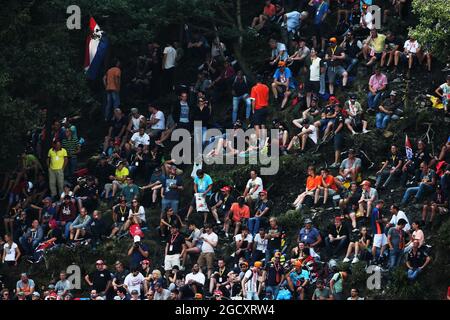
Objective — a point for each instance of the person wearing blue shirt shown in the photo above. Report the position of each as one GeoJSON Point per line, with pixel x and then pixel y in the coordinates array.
{"type": "Point", "coordinates": [282, 83]}
{"type": "Point", "coordinates": [310, 236]}
{"type": "Point", "coordinates": [320, 16]}
{"type": "Point", "coordinates": [203, 185]}
{"type": "Point", "coordinates": [298, 280]}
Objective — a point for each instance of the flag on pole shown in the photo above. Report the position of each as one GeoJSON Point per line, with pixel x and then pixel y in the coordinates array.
{"type": "Point", "coordinates": [96, 48]}
{"type": "Point", "coordinates": [408, 148]}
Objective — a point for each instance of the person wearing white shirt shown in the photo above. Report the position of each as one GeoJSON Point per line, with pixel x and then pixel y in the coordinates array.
{"type": "Point", "coordinates": [253, 187]}
{"type": "Point", "coordinates": [140, 137]}
{"type": "Point", "coordinates": [11, 252]}
{"type": "Point", "coordinates": [168, 66]}
{"type": "Point", "coordinates": [398, 214]}
{"type": "Point", "coordinates": [206, 257]}
{"type": "Point", "coordinates": [157, 121]}
{"type": "Point", "coordinates": [134, 281]}
{"type": "Point", "coordinates": [194, 280]}
{"type": "Point", "coordinates": [411, 50]}
{"type": "Point", "coordinates": [260, 245]}
{"type": "Point", "coordinates": [244, 241]}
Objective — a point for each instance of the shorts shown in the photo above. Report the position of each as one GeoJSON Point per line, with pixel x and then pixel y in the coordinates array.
{"type": "Point", "coordinates": [324, 123]}
{"type": "Point", "coordinates": [171, 260]}
{"type": "Point", "coordinates": [207, 258]}
{"type": "Point", "coordinates": [333, 71]}
{"type": "Point", "coordinates": [338, 141]}
{"type": "Point", "coordinates": [404, 57]}
{"type": "Point", "coordinates": [378, 55]}
{"type": "Point", "coordinates": [318, 30]}
{"type": "Point", "coordinates": [313, 86]}
{"type": "Point", "coordinates": [379, 240]}
{"type": "Point", "coordinates": [259, 117]}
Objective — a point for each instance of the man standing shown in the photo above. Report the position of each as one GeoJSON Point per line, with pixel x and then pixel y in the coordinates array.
{"type": "Point", "coordinates": [72, 146]}
{"type": "Point", "coordinates": [210, 240]}
{"type": "Point", "coordinates": [396, 242]}
{"type": "Point", "coordinates": [260, 102]}
{"type": "Point", "coordinates": [57, 162]}
{"type": "Point", "coordinates": [111, 81]}
{"type": "Point", "coordinates": [168, 67]}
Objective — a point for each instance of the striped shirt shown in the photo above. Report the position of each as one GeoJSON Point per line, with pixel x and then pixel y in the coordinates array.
{"type": "Point", "coordinates": [71, 145]}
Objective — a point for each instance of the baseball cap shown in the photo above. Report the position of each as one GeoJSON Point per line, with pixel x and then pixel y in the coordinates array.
{"type": "Point", "coordinates": [218, 293]}
{"type": "Point", "coordinates": [308, 221]}
{"type": "Point", "coordinates": [297, 263]}
{"type": "Point", "coordinates": [277, 254]}
{"type": "Point", "coordinates": [365, 182]}
{"type": "Point", "coordinates": [134, 110]}
{"type": "Point", "coordinates": [136, 239]}
{"type": "Point", "coordinates": [353, 97]}
{"type": "Point", "coordinates": [36, 294]}
{"type": "Point", "coordinates": [146, 261]}
{"type": "Point", "coordinates": [258, 264]}
{"type": "Point", "coordinates": [333, 40]}
{"type": "Point", "coordinates": [99, 262]}
{"type": "Point", "coordinates": [263, 191]}
{"type": "Point", "coordinates": [226, 188]}
{"type": "Point", "coordinates": [281, 63]}
{"type": "Point", "coordinates": [118, 164]}
{"type": "Point", "coordinates": [351, 151]}
{"type": "Point", "coordinates": [393, 93]}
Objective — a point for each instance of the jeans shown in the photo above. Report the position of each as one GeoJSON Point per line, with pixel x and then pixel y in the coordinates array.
{"type": "Point", "coordinates": [167, 203]}
{"type": "Point", "coordinates": [67, 229]}
{"type": "Point", "coordinates": [199, 136]}
{"type": "Point", "coordinates": [71, 167]}
{"type": "Point", "coordinates": [236, 100]}
{"type": "Point", "coordinates": [252, 295]}
{"type": "Point", "coordinates": [395, 256]}
{"type": "Point", "coordinates": [386, 175]}
{"type": "Point", "coordinates": [336, 246]}
{"type": "Point", "coordinates": [322, 84]}
{"type": "Point", "coordinates": [373, 100]}
{"type": "Point", "coordinates": [382, 120]}
{"type": "Point", "coordinates": [253, 225]}
{"type": "Point", "coordinates": [352, 62]}
{"type": "Point", "coordinates": [413, 273]}
{"type": "Point", "coordinates": [112, 101]}
{"type": "Point", "coordinates": [417, 191]}
{"type": "Point", "coordinates": [28, 247]}
{"type": "Point", "coordinates": [273, 291]}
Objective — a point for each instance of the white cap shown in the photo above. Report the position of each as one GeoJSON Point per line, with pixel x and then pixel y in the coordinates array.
{"type": "Point", "coordinates": [137, 238]}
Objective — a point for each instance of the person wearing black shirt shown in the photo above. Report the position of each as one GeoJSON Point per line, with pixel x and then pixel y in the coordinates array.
{"type": "Point", "coordinates": [274, 238]}
{"type": "Point", "coordinates": [389, 109]}
{"type": "Point", "coordinates": [417, 260]}
{"type": "Point", "coordinates": [412, 167]}
{"type": "Point", "coordinates": [337, 238]}
{"type": "Point", "coordinates": [117, 128]}
{"type": "Point", "coordinates": [392, 45]}
{"type": "Point", "coordinates": [338, 135]}
{"type": "Point", "coordinates": [119, 276]}
{"type": "Point", "coordinates": [219, 277]}
{"type": "Point", "coordinates": [174, 246]}
{"type": "Point", "coordinates": [240, 89]}
{"type": "Point", "coordinates": [102, 172]}
{"type": "Point", "coordinates": [120, 215]}
{"type": "Point", "coordinates": [138, 252]}
{"type": "Point", "coordinates": [97, 227]}
{"type": "Point", "coordinates": [262, 211]}
{"type": "Point", "coordinates": [352, 50]}
{"type": "Point", "coordinates": [223, 204]}
{"type": "Point", "coordinates": [275, 275]}
{"type": "Point", "coordinates": [99, 280]}
{"type": "Point", "coordinates": [87, 194]}
{"type": "Point", "coordinates": [334, 57]}
{"type": "Point", "coordinates": [169, 219]}
{"type": "Point", "coordinates": [202, 113]}
{"type": "Point", "coordinates": [391, 168]}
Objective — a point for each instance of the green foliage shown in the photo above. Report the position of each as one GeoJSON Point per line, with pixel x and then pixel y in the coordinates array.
{"type": "Point", "coordinates": [433, 26]}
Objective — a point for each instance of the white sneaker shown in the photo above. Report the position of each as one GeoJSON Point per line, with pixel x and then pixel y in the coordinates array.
{"type": "Point", "coordinates": [366, 131]}
{"type": "Point", "coordinates": [355, 260]}
{"type": "Point", "coordinates": [346, 260]}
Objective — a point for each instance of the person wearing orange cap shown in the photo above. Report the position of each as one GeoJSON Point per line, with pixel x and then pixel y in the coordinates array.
{"type": "Point", "coordinates": [282, 83]}
{"type": "Point", "coordinates": [298, 280]}
{"type": "Point", "coordinates": [368, 197]}
{"type": "Point", "coordinates": [335, 57]}
{"type": "Point", "coordinates": [251, 286]}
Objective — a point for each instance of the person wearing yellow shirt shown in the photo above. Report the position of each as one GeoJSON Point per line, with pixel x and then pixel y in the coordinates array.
{"type": "Point", "coordinates": [373, 47]}
{"type": "Point", "coordinates": [56, 162]}
{"type": "Point", "coordinates": [118, 180]}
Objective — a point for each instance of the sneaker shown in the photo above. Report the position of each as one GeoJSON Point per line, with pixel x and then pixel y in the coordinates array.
{"type": "Point", "coordinates": [346, 260]}
{"type": "Point", "coordinates": [366, 131]}
{"type": "Point", "coordinates": [218, 222]}
{"type": "Point", "coordinates": [355, 260]}
{"type": "Point", "coordinates": [335, 165]}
